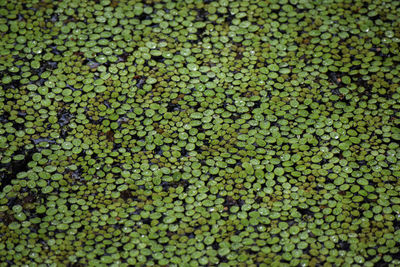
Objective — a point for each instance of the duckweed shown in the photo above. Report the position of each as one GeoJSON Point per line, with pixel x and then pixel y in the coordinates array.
{"type": "Point", "coordinates": [187, 133]}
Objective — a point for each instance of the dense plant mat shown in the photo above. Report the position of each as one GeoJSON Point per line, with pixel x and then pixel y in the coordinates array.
{"type": "Point", "coordinates": [192, 133]}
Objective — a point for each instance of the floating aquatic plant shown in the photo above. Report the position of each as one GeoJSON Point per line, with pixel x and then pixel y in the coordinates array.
{"type": "Point", "coordinates": [229, 133]}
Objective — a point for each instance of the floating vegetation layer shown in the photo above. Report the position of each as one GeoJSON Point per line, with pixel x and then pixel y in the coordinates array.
{"type": "Point", "coordinates": [174, 133]}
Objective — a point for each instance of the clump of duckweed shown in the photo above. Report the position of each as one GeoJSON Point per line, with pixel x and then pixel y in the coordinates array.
{"type": "Point", "coordinates": [174, 133]}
